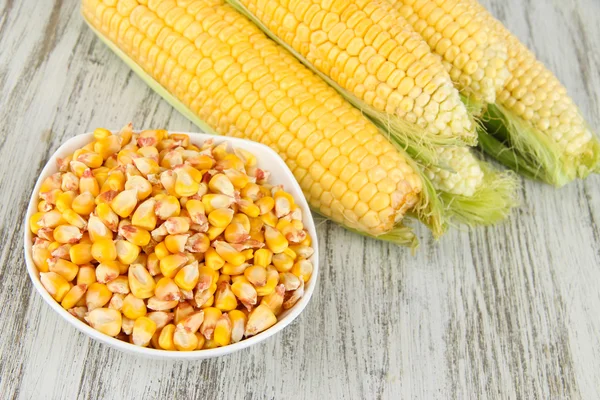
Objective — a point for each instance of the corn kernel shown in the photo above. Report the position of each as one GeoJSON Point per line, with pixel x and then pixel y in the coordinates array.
{"type": "Point", "coordinates": [67, 234]}
{"type": "Point", "coordinates": [230, 269]}
{"type": "Point", "coordinates": [213, 260]}
{"type": "Point", "coordinates": [175, 225]}
{"type": "Point", "coordinates": [107, 271]}
{"type": "Point", "coordinates": [165, 341]}
{"type": "Point", "coordinates": [133, 234]}
{"type": "Point", "coordinates": [127, 252]}
{"type": "Point", "coordinates": [74, 219]}
{"type": "Point", "coordinates": [256, 275]}
{"type": "Point", "coordinates": [104, 250]}
{"type": "Point", "coordinates": [65, 200]}
{"type": "Point", "coordinates": [141, 283]}
{"type": "Point", "coordinates": [187, 277]}
{"type": "Point", "coordinates": [86, 275]}
{"type": "Point", "coordinates": [154, 303]}
{"type": "Point", "coordinates": [160, 318]}
{"type": "Point", "coordinates": [260, 318]}
{"type": "Point", "coordinates": [161, 250]}
{"type": "Point", "coordinates": [105, 320]}
{"type": "Point", "coordinates": [303, 269]}
{"type": "Point", "coordinates": [245, 292]}
{"type": "Point", "coordinates": [170, 265]}
{"type": "Point", "coordinates": [133, 307]}
{"type": "Point", "coordinates": [223, 330]}
{"type": "Point", "coordinates": [213, 202]}
{"type": "Point", "coordinates": [144, 216]}
{"type": "Point", "coordinates": [211, 316]}
{"type": "Point", "coordinates": [269, 219]}
{"type": "Point", "coordinates": [167, 290]}
{"type": "Point", "coordinates": [66, 269]}
{"type": "Point", "coordinates": [143, 330]}
{"type": "Point", "coordinates": [224, 298]}
{"type": "Point", "coordinates": [238, 325]}
{"type": "Point", "coordinates": [220, 183]}
{"type": "Point", "coordinates": [184, 340]}
{"type": "Point", "coordinates": [73, 296]}
{"type": "Point", "coordinates": [116, 301]}
{"type": "Point", "coordinates": [119, 285]}
{"type": "Point", "coordinates": [167, 207]}
{"type": "Point", "coordinates": [283, 262]}
{"type": "Point", "coordinates": [83, 204]}
{"type": "Point", "coordinates": [275, 300]}
{"type": "Point", "coordinates": [55, 284]}
{"type": "Point", "coordinates": [97, 295]}
{"type": "Point", "coordinates": [275, 241]}
{"type": "Point", "coordinates": [40, 257]}
{"type": "Point", "coordinates": [272, 281]}
{"type": "Point", "coordinates": [97, 230]}
{"type": "Point", "coordinates": [228, 253]}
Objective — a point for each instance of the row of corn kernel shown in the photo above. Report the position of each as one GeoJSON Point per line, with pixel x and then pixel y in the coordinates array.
{"type": "Point", "coordinates": [199, 233]}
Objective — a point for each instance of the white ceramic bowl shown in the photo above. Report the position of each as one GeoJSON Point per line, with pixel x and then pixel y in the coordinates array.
{"type": "Point", "coordinates": [280, 174]}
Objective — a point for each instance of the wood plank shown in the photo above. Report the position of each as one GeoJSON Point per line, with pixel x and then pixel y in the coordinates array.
{"type": "Point", "coordinates": [504, 312]}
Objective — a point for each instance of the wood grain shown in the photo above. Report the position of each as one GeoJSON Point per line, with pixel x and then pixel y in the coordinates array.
{"type": "Point", "coordinates": [511, 311]}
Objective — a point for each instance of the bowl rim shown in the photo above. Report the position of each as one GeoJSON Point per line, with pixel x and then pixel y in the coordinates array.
{"type": "Point", "coordinates": [265, 154]}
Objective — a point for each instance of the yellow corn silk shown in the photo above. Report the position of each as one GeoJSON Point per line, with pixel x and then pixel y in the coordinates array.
{"type": "Point", "coordinates": [221, 252]}
{"type": "Point", "coordinates": [223, 72]}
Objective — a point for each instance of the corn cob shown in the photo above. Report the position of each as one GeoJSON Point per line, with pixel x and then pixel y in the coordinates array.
{"type": "Point", "coordinates": [535, 127]}
{"type": "Point", "coordinates": [220, 66]}
{"type": "Point", "coordinates": [317, 33]}
{"type": "Point", "coordinates": [372, 56]}
{"type": "Point", "coordinates": [472, 53]}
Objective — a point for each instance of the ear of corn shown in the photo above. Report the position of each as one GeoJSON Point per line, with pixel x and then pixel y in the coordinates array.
{"type": "Point", "coordinates": [472, 52]}
{"type": "Point", "coordinates": [534, 127]}
{"type": "Point", "coordinates": [374, 58]}
{"type": "Point", "coordinates": [347, 170]}
{"type": "Point", "coordinates": [466, 184]}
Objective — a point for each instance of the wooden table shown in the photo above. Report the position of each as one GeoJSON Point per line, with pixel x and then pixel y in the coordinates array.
{"type": "Point", "coordinates": [511, 311]}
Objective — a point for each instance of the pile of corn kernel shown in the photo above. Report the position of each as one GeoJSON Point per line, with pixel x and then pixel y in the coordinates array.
{"type": "Point", "coordinates": [162, 243]}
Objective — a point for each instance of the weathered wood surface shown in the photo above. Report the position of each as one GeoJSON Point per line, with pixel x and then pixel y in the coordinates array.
{"type": "Point", "coordinates": [511, 311]}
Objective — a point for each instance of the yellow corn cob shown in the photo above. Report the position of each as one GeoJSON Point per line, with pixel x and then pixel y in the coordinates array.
{"type": "Point", "coordinates": [378, 46]}
{"type": "Point", "coordinates": [348, 171]}
{"type": "Point", "coordinates": [472, 53]}
{"type": "Point", "coordinates": [464, 174]}
{"type": "Point", "coordinates": [367, 49]}
{"type": "Point", "coordinates": [547, 136]}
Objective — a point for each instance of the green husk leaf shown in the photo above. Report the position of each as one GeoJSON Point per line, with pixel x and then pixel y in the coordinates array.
{"type": "Point", "coordinates": [528, 151]}
{"type": "Point", "coordinates": [492, 202]}
{"type": "Point", "coordinates": [416, 141]}
{"type": "Point", "coordinates": [430, 210]}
